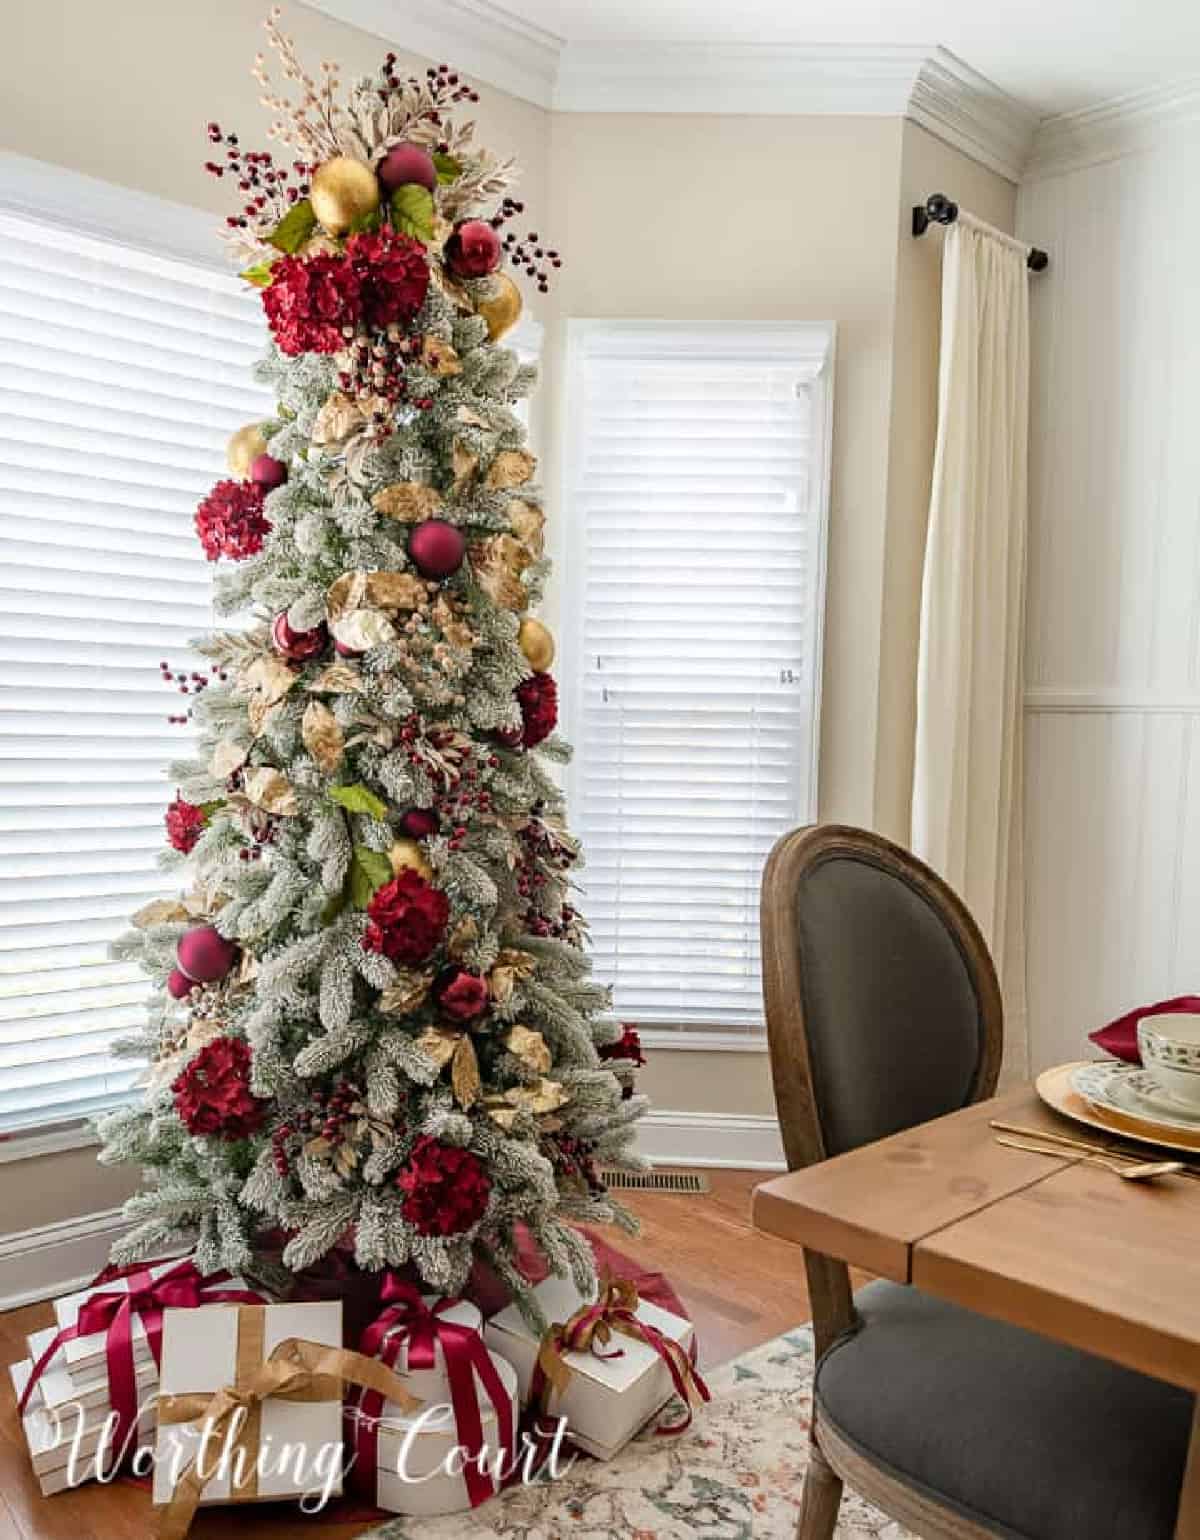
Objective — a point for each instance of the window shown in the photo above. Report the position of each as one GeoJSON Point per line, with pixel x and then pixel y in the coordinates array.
{"type": "Point", "coordinates": [124, 373]}
{"type": "Point", "coordinates": [698, 482]}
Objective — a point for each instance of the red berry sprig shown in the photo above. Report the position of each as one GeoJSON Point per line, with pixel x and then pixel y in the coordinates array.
{"type": "Point", "coordinates": [188, 684]}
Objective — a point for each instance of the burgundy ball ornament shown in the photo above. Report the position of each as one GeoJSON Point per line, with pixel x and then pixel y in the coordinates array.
{"type": "Point", "coordinates": [299, 646]}
{"type": "Point", "coordinates": [473, 251]}
{"type": "Point", "coordinates": [346, 652]}
{"type": "Point", "coordinates": [268, 472]}
{"type": "Point", "coordinates": [179, 986]}
{"type": "Point", "coordinates": [436, 548]}
{"type": "Point", "coordinates": [204, 955]}
{"type": "Point", "coordinates": [405, 164]}
{"type": "Point", "coordinates": [509, 737]}
{"type": "Point", "coordinates": [420, 822]}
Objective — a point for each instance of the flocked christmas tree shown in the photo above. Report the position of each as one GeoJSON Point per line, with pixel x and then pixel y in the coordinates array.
{"type": "Point", "coordinates": [376, 1028]}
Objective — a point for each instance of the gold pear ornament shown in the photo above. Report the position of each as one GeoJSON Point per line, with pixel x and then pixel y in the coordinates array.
{"type": "Point", "coordinates": [244, 448]}
{"type": "Point", "coordinates": [537, 643]}
{"type": "Point", "coordinates": [501, 308]}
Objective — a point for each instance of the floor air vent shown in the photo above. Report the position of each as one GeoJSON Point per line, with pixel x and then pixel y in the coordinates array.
{"type": "Point", "coordinates": [656, 1181]}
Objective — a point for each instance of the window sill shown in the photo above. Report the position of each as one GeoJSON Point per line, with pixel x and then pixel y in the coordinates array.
{"type": "Point", "coordinates": [54, 1141]}
{"type": "Point", "coordinates": [693, 1041]}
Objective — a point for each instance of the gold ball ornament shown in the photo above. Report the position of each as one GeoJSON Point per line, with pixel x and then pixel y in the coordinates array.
{"type": "Point", "coordinates": [536, 642]}
{"type": "Point", "coordinates": [342, 191]}
{"type": "Point", "coordinates": [407, 854]}
{"type": "Point", "coordinates": [244, 448]}
{"type": "Point", "coordinates": [502, 308]}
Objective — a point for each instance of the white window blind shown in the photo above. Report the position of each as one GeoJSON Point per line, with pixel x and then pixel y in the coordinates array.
{"type": "Point", "coordinates": [123, 374]}
{"type": "Point", "coordinates": [699, 486]}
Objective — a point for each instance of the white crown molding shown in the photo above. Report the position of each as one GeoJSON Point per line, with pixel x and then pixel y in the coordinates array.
{"type": "Point", "coordinates": [475, 36]}
{"type": "Point", "coordinates": [965, 109]}
{"type": "Point", "coordinates": [744, 78]}
{"type": "Point", "coordinates": [1127, 125]}
{"type": "Point", "coordinates": [922, 82]}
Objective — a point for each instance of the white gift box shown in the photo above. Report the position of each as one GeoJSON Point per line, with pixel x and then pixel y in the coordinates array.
{"type": "Point", "coordinates": [92, 1349]}
{"type": "Point", "coordinates": [87, 1385]}
{"type": "Point", "coordinates": [419, 1473]}
{"type": "Point", "coordinates": [608, 1399]}
{"type": "Point", "coordinates": [300, 1443]}
{"type": "Point", "coordinates": [63, 1442]}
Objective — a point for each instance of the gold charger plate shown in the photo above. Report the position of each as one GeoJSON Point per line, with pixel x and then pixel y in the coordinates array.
{"type": "Point", "coordinates": [1055, 1089]}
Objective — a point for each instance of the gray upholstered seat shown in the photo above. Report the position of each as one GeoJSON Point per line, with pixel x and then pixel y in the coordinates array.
{"type": "Point", "coordinates": [1022, 1436]}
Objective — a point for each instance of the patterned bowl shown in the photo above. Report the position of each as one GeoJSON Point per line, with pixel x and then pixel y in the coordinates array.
{"type": "Point", "coordinates": [1171, 1052]}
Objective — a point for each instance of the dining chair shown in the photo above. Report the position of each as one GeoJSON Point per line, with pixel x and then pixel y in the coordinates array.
{"type": "Point", "coordinates": [883, 1011]}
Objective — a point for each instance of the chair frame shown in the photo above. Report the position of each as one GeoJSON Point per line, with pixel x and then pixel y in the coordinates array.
{"type": "Point", "coordinates": [832, 1461]}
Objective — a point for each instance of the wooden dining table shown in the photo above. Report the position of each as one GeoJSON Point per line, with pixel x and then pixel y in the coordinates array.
{"type": "Point", "coordinates": [1053, 1243]}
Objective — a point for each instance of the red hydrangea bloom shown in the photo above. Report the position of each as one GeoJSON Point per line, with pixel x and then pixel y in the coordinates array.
{"type": "Point", "coordinates": [213, 1096]}
{"type": "Point", "coordinates": [230, 521]}
{"type": "Point", "coordinates": [309, 300]}
{"type": "Point", "coordinates": [393, 274]}
{"type": "Point", "coordinates": [446, 1188]}
{"type": "Point", "coordinates": [407, 918]}
{"type": "Point", "coordinates": [459, 995]}
{"type": "Point", "coordinates": [627, 1046]}
{"type": "Point", "coordinates": [538, 698]}
{"type": "Point", "coordinates": [185, 824]}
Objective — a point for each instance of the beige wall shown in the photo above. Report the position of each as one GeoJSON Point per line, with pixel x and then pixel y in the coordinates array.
{"type": "Point", "coordinates": [664, 216]}
{"type": "Point", "coordinates": [927, 166]}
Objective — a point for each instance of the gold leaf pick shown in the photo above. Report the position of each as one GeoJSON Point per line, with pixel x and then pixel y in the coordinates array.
{"type": "Point", "coordinates": [268, 680]}
{"type": "Point", "coordinates": [463, 464]}
{"type": "Point", "coordinates": [226, 758]}
{"type": "Point", "coordinates": [408, 992]}
{"type": "Point", "coordinates": [463, 936]}
{"type": "Point", "coordinates": [259, 714]}
{"type": "Point", "coordinates": [439, 1044]}
{"type": "Point", "coordinates": [336, 679]}
{"type": "Point", "coordinates": [528, 524]}
{"type": "Point", "coordinates": [322, 736]}
{"type": "Point", "coordinates": [271, 791]}
{"type": "Point", "coordinates": [439, 357]}
{"type": "Point", "coordinates": [345, 594]}
{"type": "Point", "coordinates": [337, 420]}
{"type": "Point", "coordinates": [465, 1079]}
{"type": "Point", "coordinates": [545, 1096]}
{"type": "Point", "coordinates": [408, 501]}
{"type": "Point", "coordinates": [470, 418]}
{"type": "Point", "coordinates": [363, 629]}
{"type": "Point", "coordinates": [510, 965]}
{"type": "Point", "coordinates": [510, 468]}
{"type": "Point", "coordinates": [160, 911]}
{"type": "Point", "coordinates": [395, 590]}
{"type": "Point", "coordinates": [530, 1047]}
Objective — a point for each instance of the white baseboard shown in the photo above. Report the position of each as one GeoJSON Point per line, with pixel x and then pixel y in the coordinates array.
{"type": "Point", "coordinates": [738, 1140]}
{"type": "Point", "coordinates": [54, 1259]}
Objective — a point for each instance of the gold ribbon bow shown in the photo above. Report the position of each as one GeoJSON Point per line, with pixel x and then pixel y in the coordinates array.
{"type": "Point", "coordinates": [295, 1371]}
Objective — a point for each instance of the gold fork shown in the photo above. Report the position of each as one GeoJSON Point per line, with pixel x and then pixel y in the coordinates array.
{"type": "Point", "coordinates": [1136, 1171]}
{"type": "Point", "coordinates": [1087, 1146]}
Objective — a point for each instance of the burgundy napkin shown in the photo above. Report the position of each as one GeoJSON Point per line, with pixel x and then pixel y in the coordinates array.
{"type": "Point", "coordinates": [1120, 1036]}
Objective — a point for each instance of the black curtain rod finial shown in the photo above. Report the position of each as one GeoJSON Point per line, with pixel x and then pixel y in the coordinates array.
{"type": "Point", "coordinates": [940, 210]}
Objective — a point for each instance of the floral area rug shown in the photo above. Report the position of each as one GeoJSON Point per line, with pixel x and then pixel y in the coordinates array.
{"type": "Point", "coordinates": [735, 1474]}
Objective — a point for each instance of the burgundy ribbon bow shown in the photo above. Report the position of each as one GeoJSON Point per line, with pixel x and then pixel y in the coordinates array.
{"type": "Point", "coordinates": [113, 1312]}
{"type": "Point", "coordinates": [408, 1320]}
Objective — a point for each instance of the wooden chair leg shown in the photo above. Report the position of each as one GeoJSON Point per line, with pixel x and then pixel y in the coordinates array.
{"type": "Point", "coordinates": [821, 1498]}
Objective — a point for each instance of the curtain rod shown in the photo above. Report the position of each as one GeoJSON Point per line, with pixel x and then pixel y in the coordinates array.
{"type": "Point", "coordinates": [940, 210]}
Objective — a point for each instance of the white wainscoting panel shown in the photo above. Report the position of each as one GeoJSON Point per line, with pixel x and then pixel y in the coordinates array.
{"type": "Point", "coordinates": [1113, 663]}
{"type": "Point", "coordinates": [733, 1140]}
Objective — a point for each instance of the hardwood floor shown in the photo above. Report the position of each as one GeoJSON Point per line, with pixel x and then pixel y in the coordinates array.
{"type": "Point", "coordinates": [741, 1288]}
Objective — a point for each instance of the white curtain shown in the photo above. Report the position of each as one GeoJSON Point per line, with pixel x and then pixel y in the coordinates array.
{"type": "Point", "coordinates": [967, 805]}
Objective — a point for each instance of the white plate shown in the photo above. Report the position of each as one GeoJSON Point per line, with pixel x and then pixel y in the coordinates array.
{"type": "Point", "coordinates": [1131, 1091]}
